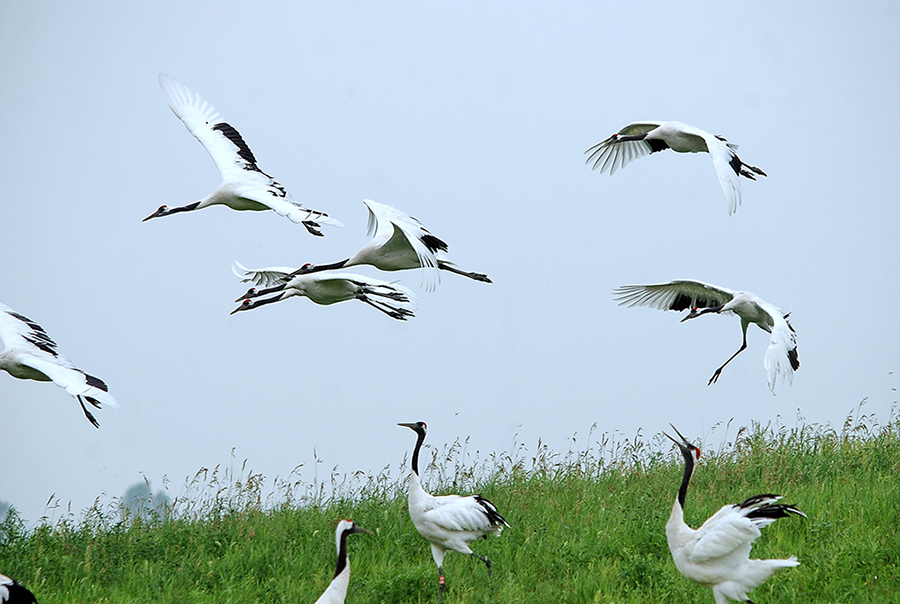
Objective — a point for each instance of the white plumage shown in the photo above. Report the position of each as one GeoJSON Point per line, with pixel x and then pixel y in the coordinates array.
{"type": "Point", "coordinates": [717, 555]}
{"type": "Point", "coordinates": [781, 359]}
{"type": "Point", "coordinates": [30, 354]}
{"type": "Point", "coordinates": [327, 287]}
{"type": "Point", "coordinates": [449, 522]}
{"type": "Point", "coordinates": [13, 592]}
{"type": "Point", "coordinates": [399, 242]}
{"type": "Point", "coordinates": [244, 185]}
{"type": "Point", "coordinates": [642, 138]}
{"type": "Point", "coordinates": [337, 589]}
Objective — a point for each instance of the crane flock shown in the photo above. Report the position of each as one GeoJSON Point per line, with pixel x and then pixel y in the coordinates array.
{"type": "Point", "coordinates": [716, 555]}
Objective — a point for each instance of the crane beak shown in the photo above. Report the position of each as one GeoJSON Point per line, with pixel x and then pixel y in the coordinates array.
{"type": "Point", "coordinates": [412, 426]}
{"type": "Point", "coordinates": [244, 306]}
{"type": "Point", "coordinates": [159, 212]}
{"type": "Point", "coordinates": [690, 315]}
{"type": "Point", "coordinates": [681, 443]}
{"type": "Point", "coordinates": [357, 529]}
{"type": "Point", "coordinates": [249, 294]}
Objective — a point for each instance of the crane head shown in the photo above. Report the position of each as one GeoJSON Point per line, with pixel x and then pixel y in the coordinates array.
{"type": "Point", "coordinates": [417, 427]}
{"type": "Point", "coordinates": [688, 449]}
{"type": "Point", "coordinates": [162, 211]}
{"type": "Point", "coordinates": [251, 293]}
{"type": "Point", "coordinates": [245, 305]}
{"type": "Point", "coordinates": [306, 268]}
{"type": "Point", "coordinates": [695, 312]}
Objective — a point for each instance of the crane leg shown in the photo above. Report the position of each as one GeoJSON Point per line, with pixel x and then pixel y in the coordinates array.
{"type": "Point", "coordinates": [395, 313]}
{"type": "Point", "coordinates": [87, 413]}
{"type": "Point", "coordinates": [715, 376]}
{"type": "Point", "coordinates": [441, 583]}
{"type": "Point", "coordinates": [488, 564]}
{"type": "Point", "coordinates": [312, 227]}
{"type": "Point", "coordinates": [476, 276]}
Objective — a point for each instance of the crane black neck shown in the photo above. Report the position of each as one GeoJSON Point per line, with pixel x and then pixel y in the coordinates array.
{"type": "Point", "coordinates": [415, 457]}
{"type": "Point", "coordinates": [342, 553]}
{"type": "Point", "coordinates": [686, 479]}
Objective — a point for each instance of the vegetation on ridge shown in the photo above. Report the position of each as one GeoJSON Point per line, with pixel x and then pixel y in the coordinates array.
{"type": "Point", "coordinates": [587, 526]}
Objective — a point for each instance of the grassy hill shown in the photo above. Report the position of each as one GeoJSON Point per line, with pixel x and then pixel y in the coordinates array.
{"type": "Point", "coordinates": [586, 526]}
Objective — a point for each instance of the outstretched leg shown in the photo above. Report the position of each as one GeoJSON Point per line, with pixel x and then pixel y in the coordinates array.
{"type": "Point", "coordinates": [715, 376]}
{"type": "Point", "coordinates": [87, 413]}
{"type": "Point", "coordinates": [312, 227]}
{"type": "Point", "coordinates": [395, 313]}
{"type": "Point", "coordinates": [476, 276]}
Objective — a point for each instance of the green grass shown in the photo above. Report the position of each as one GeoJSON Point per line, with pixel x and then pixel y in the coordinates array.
{"type": "Point", "coordinates": [586, 526]}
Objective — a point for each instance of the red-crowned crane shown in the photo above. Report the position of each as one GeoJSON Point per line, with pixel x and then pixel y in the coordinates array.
{"type": "Point", "coordinates": [642, 138]}
{"type": "Point", "coordinates": [13, 592]}
{"type": "Point", "coordinates": [30, 354]}
{"type": "Point", "coordinates": [449, 522]}
{"type": "Point", "coordinates": [700, 298]}
{"type": "Point", "coordinates": [717, 555]}
{"type": "Point", "coordinates": [399, 242]}
{"type": "Point", "coordinates": [337, 590]}
{"type": "Point", "coordinates": [328, 287]}
{"type": "Point", "coordinates": [244, 185]}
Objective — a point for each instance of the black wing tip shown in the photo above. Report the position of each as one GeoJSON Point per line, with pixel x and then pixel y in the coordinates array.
{"type": "Point", "coordinates": [491, 512]}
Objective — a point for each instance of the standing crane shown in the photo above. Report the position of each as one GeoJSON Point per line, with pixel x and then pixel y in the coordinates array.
{"type": "Point", "coordinates": [337, 589]}
{"type": "Point", "coordinates": [30, 354]}
{"type": "Point", "coordinates": [449, 522]}
{"type": "Point", "coordinates": [643, 138]}
{"type": "Point", "coordinates": [717, 555]}
{"type": "Point", "coordinates": [244, 185]}
{"type": "Point", "coordinates": [702, 298]}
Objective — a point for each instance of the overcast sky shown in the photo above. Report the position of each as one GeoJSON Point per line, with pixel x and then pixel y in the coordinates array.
{"type": "Point", "coordinates": [473, 117]}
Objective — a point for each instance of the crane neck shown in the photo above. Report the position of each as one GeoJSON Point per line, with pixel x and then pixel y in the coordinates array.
{"type": "Point", "coordinates": [343, 560]}
{"type": "Point", "coordinates": [686, 479]}
{"type": "Point", "coordinates": [415, 456]}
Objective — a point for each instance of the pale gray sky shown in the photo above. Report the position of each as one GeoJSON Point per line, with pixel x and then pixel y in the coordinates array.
{"type": "Point", "coordinates": [473, 117]}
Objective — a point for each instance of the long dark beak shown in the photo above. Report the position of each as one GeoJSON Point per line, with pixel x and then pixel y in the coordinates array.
{"type": "Point", "coordinates": [683, 442]}
{"type": "Point", "coordinates": [153, 215]}
{"type": "Point", "coordinates": [409, 425]}
{"type": "Point", "coordinates": [239, 308]}
{"type": "Point", "coordinates": [690, 315]}
{"type": "Point", "coordinates": [357, 529]}
{"type": "Point", "coordinates": [247, 295]}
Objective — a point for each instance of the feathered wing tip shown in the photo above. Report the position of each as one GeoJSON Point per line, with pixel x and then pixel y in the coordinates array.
{"type": "Point", "coordinates": [97, 392]}
{"type": "Point", "coordinates": [781, 360]}
{"type": "Point", "coordinates": [264, 277]}
{"type": "Point", "coordinates": [304, 214]}
{"type": "Point", "coordinates": [183, 101]}
{"type": "Point", "coordinates": [496, 521]}
{"type": "Point", "coordinates": [611, 155]}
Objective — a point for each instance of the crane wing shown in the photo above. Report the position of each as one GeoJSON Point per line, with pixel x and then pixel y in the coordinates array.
{"type": "Point", "coordinates": [18, 331]}
{"type": "Point", "coordinates": [222, 141]}
{"type": "Point", "coordinates": [723, 155]}
{"type": "Point", "coordinates": [781, 359]}
{"type": "Point", "coordinates": [264, 277]}
{"type": "Point", "coordinates": [75, 381]}
{"type": "Point", "coordinates": [457, 513]}
{"type": "Point", "coordinates": [681, 294]}
{"type": "Point", "coordinates": [388, 221]}
{"type": "Point", "coordinates": [726, 531]}
{"type": "Point", "coordinates": [612, 154]}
